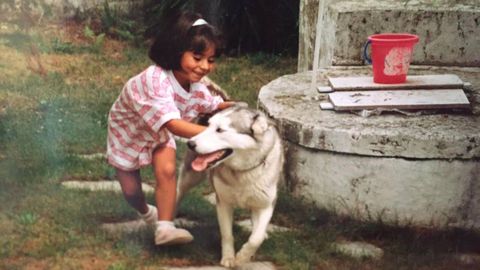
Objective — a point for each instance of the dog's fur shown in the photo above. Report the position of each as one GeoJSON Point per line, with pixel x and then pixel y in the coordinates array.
{"type": "Point", "coordinates": [245, 175]}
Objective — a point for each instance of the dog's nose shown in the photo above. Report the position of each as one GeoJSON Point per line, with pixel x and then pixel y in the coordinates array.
{"type": "Point", "coordinates": [191, 145]}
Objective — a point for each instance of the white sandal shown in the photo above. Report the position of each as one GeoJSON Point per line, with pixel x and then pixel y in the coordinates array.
{"type": "Point", "coordinates": [172, 236]}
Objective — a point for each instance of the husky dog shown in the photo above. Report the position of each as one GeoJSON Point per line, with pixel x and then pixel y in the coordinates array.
{"type": "Point", "coordinates": [244, 155]}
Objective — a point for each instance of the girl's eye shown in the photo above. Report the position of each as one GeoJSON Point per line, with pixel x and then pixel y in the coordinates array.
{"type": "Point", "coordinates": [197, 57]}
{"type": "Point", "coordinates": [211, 60]}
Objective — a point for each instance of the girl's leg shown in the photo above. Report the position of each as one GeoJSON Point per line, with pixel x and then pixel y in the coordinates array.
{"type": "Point", "coordinates": [131, 184]}
{"type": "Point", "coordinates": [165, 192]}
{"type": "Point", "coordinates": [165, 195]}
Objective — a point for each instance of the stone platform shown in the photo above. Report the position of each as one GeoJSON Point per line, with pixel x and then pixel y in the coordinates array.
{"type": "Point", "coordinates": [421, 170]}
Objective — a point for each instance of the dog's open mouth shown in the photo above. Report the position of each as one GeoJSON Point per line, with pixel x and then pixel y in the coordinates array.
{"type": "Point", "coordinates": [202, 162]}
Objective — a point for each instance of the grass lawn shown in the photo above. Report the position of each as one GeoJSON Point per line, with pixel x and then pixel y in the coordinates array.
{"type": "Point", "coordinates": [57, 83]}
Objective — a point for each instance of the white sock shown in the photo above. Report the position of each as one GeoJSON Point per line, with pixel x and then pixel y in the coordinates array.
{"type": "Point", "coordinates": [151, 215]}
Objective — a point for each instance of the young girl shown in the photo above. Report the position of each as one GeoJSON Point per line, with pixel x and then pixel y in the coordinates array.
{"type": "Point", "coordinates": [157, 104]}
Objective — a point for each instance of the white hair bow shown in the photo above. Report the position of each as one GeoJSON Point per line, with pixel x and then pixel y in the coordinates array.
{"type": "Point", "coordinates": [199, 22]}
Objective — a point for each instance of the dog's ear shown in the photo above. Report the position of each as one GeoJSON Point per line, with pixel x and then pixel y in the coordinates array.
{"type": "Point", "coordinates": [259, 124]}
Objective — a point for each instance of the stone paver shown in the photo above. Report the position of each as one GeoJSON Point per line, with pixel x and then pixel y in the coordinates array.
{"type": "Point", "coordinates": [247, 266]}
{"type": "Point", "coordinates": [93, 156]}
{"type": "Point", "coordinates": [246, 224]}
{"type": "Point", "coordinates": [104, 185]}
{"type": "Point", "coordinates": [139, 224]}
{"type": "Point", "coordinates": [124, 227]}
{"type": "Point", "coordinates": [358, 250]}
{"type": "Point", "coordinates": [185, 223]}
{"type": "Point", "coordinates": [211, 198]}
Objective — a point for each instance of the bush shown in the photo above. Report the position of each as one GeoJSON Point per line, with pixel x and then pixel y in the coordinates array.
{"type": "Point", "coordinates": [268, 26]}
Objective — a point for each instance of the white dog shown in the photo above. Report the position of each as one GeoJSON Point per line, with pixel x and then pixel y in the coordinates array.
{"type": "Point", "coordinates": [243, 151]}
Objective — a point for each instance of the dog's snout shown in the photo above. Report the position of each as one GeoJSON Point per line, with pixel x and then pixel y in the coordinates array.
{"type": "Point", "coordinates": [191, 145]}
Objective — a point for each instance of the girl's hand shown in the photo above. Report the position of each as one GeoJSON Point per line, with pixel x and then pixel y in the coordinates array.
{"type": "Point", "coordinates": [183, 128]}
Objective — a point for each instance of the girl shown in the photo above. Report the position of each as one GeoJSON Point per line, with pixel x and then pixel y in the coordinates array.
{"type": "Point", "coordinates": [157, 104]}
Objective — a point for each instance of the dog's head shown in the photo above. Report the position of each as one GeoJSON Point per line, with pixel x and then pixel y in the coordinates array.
{"type": "Point", "coordinates": [233, 129]}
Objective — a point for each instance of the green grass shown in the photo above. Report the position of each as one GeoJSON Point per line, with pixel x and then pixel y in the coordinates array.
{"type": "Point", "coordinates": [46, 121]}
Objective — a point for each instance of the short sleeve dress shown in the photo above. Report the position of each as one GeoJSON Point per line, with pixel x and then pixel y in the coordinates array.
{"type": "Point", "coordinates": [147, 101]}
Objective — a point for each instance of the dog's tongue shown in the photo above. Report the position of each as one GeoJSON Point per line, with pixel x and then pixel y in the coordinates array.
{"type": "Point", "coordinates": [201, 162]}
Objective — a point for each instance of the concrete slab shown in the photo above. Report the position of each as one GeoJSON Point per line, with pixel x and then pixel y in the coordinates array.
{"type": "Point", "coordinates": [211, 198]}
{"type": "Point", "coordinates": [139, 224]}
{"type": "Point", "coordinates": [130, 226]}
{"type": "Point", "coordinates": [246, 224]}
{"type": "Point", "coordinates": [443, 136]}
{"type": "Point", "coordinates": [358, 250]}
{"type": "Point", "coordinates": [247, 266]}
{"type": "Point", "coordinates": [93, 156]}
{"type": "Point", "coordinates": [105, 185]}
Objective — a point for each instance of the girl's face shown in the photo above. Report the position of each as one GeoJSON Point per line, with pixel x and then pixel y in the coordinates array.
{"type": "Point", "coordinates": [194, 66]}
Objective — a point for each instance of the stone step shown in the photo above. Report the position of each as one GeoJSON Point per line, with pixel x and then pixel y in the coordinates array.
{"type": "Point", "coordinates": [449, 32]}
{"type": "Point", "coordinates": [103, 185]}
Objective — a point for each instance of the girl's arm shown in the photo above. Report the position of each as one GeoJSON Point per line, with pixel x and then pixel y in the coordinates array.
{"type": "Point", "coordinates": [183, 128]}
{"type": "Point", "coordinates": [187, 129]}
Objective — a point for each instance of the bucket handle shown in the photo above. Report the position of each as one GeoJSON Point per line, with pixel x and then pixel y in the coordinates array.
{"type": "Point", "coordinates": [365, 55]}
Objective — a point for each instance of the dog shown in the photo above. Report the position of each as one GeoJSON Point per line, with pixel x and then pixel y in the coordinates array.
{"type": "Point", "coordinates": [243, 154]}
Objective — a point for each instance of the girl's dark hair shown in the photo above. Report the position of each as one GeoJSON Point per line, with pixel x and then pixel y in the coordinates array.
{"type": "Point", "coordinates": [177, 35]}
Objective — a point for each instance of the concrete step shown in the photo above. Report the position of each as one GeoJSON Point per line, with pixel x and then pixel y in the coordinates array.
{"type": "Point", "coordinates": [103, 185]}
{"type": "Point", "coordinates": [449, 32]}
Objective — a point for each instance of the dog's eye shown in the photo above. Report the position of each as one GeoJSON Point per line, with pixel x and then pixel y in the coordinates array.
{"type": "Point", "coordinates": [219, 130]}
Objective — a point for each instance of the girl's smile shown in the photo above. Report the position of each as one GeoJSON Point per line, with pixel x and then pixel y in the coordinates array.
{"type": "Point", "coordinates": [195, 66]}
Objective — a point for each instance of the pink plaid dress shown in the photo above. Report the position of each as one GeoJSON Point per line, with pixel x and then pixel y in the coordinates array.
{"type": "Point", "coordinates": [147, 101]}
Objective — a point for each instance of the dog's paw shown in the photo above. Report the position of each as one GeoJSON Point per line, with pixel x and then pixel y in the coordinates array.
{"type": "Point", "coordinates": [228, 262]}
{"type": "Point", "coordinates": [242, 258]}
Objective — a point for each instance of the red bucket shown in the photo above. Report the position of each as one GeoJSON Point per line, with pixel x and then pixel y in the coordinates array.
{"type": "Point", "coordinates": [391, 56]}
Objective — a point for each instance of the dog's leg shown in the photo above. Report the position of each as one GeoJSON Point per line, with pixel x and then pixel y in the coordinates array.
{"type": "Point", "coordinates": [261, 219]}
{"type": "Point", "coordinates": [225, 221]}
{"type": "Point", "coordinates": [188, 178]}
{"type": "Point", "coordinates": [254, 220]}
